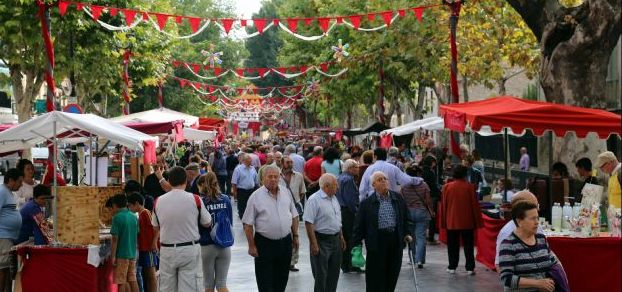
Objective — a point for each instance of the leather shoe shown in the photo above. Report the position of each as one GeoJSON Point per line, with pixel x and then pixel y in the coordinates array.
{"type": "Point", "coordinates": [293, 269]}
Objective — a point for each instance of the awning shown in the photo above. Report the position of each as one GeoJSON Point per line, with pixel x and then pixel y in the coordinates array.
{"type": "Point", "coordinates": [154, 128]}
{"type": "Point", "coordinates": [374, 127]}
{"type": "Point", "coordinates": [518, 114]}
{"type": "Point", "coordinates": [158, 116]}
{"type": "Point", "coordinates": [430, 124]}
{"type": "Point", "coordinates": [198, 135]}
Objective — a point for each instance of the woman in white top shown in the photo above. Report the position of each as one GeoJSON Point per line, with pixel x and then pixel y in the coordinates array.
{"type": "Point", "coordinates": [24, 194]}
{"type": "Point", "coordinates": [331, 163]}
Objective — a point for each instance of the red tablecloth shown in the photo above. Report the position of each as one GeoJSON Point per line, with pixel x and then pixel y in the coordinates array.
{"type": "Point", "coordinates": [592, 264]}
{"type": "Point", "coordinates": [486, 240]}
{"type": "Point", "coordinates": [63, 269]}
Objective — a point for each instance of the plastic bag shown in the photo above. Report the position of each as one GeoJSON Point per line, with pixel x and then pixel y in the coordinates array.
{"type": "Point", "coordinates": [358, 260]}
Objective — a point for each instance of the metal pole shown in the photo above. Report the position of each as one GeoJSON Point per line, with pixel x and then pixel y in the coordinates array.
{"type": "Point", "coordinates": [550, 184]}
{"type": "Point", "coordinates": [55, 184]}
{"type": "Point", "coordinates": [506, 162]}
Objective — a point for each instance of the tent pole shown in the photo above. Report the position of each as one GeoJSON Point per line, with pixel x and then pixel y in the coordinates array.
{"type": "Point", "coordinates": [506, 162]}
{"type": "Point", "coordinates": [550, 184]}
{"type": "Point", "coordinates": [55, 184]}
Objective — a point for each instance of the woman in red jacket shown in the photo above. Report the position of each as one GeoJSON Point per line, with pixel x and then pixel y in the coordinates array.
{"type": "Point", "coordinates": [460, 217]}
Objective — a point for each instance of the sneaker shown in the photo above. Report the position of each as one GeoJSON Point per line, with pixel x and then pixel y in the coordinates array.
{"type": "Point", "coordinates": [471, 273]}
{"type": "Point", "coordinates": [419, 265]}
{"type": "Point", "coordinates": [451, 271]}
{"type": "Point", "coordinates": [293, 268]}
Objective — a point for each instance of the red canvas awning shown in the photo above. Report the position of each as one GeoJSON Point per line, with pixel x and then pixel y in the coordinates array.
{"type": "Point", "coordinates": [153, 128]}
{"type": "Point", "coordinates": [519, 114]}
{"type": "Point", "coordinates": [207, 124]}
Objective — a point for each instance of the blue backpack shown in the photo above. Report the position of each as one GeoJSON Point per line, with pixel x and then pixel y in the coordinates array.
{"type": "Point", "coordinates": [221, 231]}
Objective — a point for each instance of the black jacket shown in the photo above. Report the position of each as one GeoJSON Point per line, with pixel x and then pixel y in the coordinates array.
{"type": "Point", "coordinates": [366, 222]}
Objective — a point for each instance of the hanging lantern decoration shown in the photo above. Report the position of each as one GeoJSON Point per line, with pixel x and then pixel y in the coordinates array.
{"type": "Point", "coordinates": [340, 51]}
{"type": "Point", "coordinates": [212, 58]}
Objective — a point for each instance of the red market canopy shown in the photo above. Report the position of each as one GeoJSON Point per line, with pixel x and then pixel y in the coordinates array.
{"type": "Point", "coordinates": [155, 128]}
{"type": "Point", "coordinates": [519, 114]}
{"type": "Point", "coordinates": [207, 124]}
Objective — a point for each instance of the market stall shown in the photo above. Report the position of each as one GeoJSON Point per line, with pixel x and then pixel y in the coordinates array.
{"type": "Point", "coordinates": [77, 211]}
{"type": "Point", "coordinates": [159, 115]}
{"type": "Point", "coordinates": [199, 135]}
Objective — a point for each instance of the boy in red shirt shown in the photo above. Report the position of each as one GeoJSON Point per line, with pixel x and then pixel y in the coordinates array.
{"type": "Point", "coordinates": [147, 241]}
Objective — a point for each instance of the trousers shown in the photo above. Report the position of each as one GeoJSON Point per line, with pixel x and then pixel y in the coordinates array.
{"type": "Point", "coordinates": [272, 264]}
{"type": "Point", "coordinates": [453, 248]}
{"type": "Point", "coordinates": [384, 264]}
{"type": "Point", "coordinates": [325, 265]}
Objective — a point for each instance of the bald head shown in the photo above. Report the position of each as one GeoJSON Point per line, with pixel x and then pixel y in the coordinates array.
{"type": "Point", "coordinates": [524, 196]}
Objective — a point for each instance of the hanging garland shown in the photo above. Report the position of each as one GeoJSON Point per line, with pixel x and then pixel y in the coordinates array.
{"type": "Point", "coordinates": [198, 24]}
{"type": "Point", "coordinates": [225, 90]}
{"type": "Point", "coordinates": [294, 71]}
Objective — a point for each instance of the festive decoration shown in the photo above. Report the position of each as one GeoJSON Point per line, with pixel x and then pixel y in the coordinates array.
{"type": "Point", "coordinates": [340, 51]}
{"type": "Point", "coordinates": [212, 58]}
{"type": "Point", "coordinates": [312, 88]}
{"type": "Point", "coordinates": [289, 25]}
{"type": "Point", "coordinates": [243, 73]}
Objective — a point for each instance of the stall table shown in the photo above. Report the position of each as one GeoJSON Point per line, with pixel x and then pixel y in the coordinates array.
{"type": "Point", "coordinates": [486, 240]}
{"type": "Point", "coordinates": [591, 264]}
{"type": "Point", "coordinates": [63, 269]}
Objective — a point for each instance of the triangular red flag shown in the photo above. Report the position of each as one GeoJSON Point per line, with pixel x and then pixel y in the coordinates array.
{"type": "Point", "coordinates": [196, 68]}
{"type": "Point", "coordinates": [129, 16]}
{"type": "Point", "coordinates": [96, 11]}
{"type": "Point", "coordinates": [217, 71]}
{"type": "Point", "coordinates": [250, 70]}
{"type": "Point", "coordinates": [182, 83]}
{"type": "Point", "coordinates": [113, 11]}
{"type": "Point", "coordinates": [303, 68]}
{"type": "Point", "coordinates": [401, 12]}
{"type": "Point", "coordinates": [323, 22]}
{"type": "Point", "coordinates": [262, 71]}
{"type": "Point", "coordinates": [292, 69]}
{"type": "Point", "coordinates": [356, 21]}
{"type": "Point", "coordinates": [211, 89]}
{"type": "Point", "coordinates": [197, 85]}
{"type": "Point", "coordinates": [176, 63]}
{"type": "Point", "coordinates": [418, 13]}
{"type": "Point", "coordinates": [324, 67]}
{"type": "Point", "coordinates": [260, 24]}
{"type": "Point", "coordinates": [145, 16]}
{"type": "Point", "coordinates": [79, 6]}
{"type": "Point", "coordinates": [62, 7]}
{"type": "Point", "coordinates": [227, 23]}
{"type": "Point", "coordinates": [275, 21]}
{"type": "Point", "coordinates": [308, 21]}
{"type": "Point", "coordinates": [293, 24]}
{"type": "Point", "coordinates": [256, 90]}
{"type": "Point", "coordinates": [240, 91]}
{"type": "Point", "coordinates": [162, 19]}
{"type": "Point", "coordinates": [179, 19]}
{"type": "Point", "coordinates": [243, 22]}
{"type": "Point", "coordinates": [386, 16]}
{"type": "Point", "coordinates": [239, 71]}
{"type": "Point", "coordinates": [282, 70]}
{"type": "Point", "coordinates": [194, 23]}
{"type": "Point", "coordinates": [371, 16]}
{"type": "Point", "coordinates": [339, 19]}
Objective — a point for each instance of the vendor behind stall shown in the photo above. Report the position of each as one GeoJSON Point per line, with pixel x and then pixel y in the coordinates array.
{"type": "Point", "coordinates": [608, 163]}
{"type": "Point", "coordinates": [33, 218]}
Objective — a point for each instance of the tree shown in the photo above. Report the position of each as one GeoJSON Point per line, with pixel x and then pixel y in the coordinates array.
{"type": "Point", "coordinates": [576, 44]}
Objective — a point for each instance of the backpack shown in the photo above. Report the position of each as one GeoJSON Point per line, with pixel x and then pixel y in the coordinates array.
{"type": "Point", "coordinates": [221, 232]}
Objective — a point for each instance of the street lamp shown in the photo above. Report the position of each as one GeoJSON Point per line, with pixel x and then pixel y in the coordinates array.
{"type": "Point", "coordinates": [571, 3]}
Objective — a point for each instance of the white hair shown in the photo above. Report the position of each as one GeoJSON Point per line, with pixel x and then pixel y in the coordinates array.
{"type": "Point", "coordinates": [290, 149]}
{"type": "Point", "coordinates": [376, 175]}
{"type": "Point", "coordinates": [348, 164]}
{"type": "Point", "coordinates": [345, 156]}
{"type": "Point", "coordinates": [269, 168]}
{"type": "Point", "coordinates": [326, 178]}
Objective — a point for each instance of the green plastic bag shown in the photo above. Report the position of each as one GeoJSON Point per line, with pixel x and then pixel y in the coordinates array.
{"type": "Point", "coordinates": [358, 260]}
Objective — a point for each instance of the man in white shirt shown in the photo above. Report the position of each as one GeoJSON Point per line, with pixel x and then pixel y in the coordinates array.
{"type": "Point", "coordinates": [175, 216]}
{"type": "Point", "coordinates": [299, 161]}
{"type": "Point", "coordinates": [295, 183]}
{"type": "Point", "coordinates": [271, 228]}
{"type": "Point", "coordinates": [323, 223]}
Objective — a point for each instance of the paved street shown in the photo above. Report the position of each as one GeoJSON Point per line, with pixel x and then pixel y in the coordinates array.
{"type": "Point", "coordinates": [432, 278]}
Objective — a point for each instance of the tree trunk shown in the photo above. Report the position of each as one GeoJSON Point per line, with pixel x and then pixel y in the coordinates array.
{"type": "Point", "coordinates": [501, 84]}
{"type": "Point", "coordinates": [349, 117]}
{"type": "Point", "coordinates": [576, 45]}
{"type": "Point", "coordinates": [465, 88]}
{"type": "Point", "coordinates": [26, 86]}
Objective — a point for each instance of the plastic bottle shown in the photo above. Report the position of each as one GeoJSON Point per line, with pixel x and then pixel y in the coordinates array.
{"type": "Point", "coordinates": [556, 217]}
{"type": "Point", "coordinates": [566, 215]}
{"type": "Point", "coordinates": [576, 210]}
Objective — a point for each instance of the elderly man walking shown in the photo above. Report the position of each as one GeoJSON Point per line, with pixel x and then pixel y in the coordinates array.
{"type": "Point", "coordinates": [348, 197]}
{"type": "Point", "coordinates": [243, 182]}
{"type": "Point", "coordinates": [323, 224]}
{"type": "Point", "coordinates": [271, 228]}
{"type": "Point", "coordinates": [393, 173]}
{"type": "Point", "coordinates": [382, 221]}
{"type": "Point", "coordinates": [295, 183]}
{"type": "Point", "coordinates": [175, 217]}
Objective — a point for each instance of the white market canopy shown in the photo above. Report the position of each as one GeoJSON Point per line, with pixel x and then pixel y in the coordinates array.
{"type": "Point", "coordinates": [158, 115]}
{"type": "Point", "coordinates": [429, 124]}
{"type": "Point", "coordinates": [41, 128]}
{"type": "Point", "coordinates": [198, 135]}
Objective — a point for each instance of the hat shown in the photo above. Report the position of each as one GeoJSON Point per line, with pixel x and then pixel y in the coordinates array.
{"type": "Point", "coordinates": [604, 158]}
{"type": "Point", "coordinates": [192, 166]}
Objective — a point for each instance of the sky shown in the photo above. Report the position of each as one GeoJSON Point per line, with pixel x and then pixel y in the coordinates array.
{"type": "Point", "coordinates": [246, 8]}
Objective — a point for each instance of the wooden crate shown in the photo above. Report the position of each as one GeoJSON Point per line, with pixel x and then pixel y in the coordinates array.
{"type": "Point", "coordinates": [78, 215]}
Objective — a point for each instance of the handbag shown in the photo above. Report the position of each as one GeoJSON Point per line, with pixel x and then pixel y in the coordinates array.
{"type": "Point", "coordinates": [358, 260]}
{"type": "Point", "coordinates": [558, 275]}
{"type": "Point", "coordinates": [432, 215]}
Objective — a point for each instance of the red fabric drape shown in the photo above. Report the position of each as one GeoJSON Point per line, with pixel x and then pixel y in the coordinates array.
{"type": "Point", "coordinates": [49, 50]}
{"type": "Point", "coordinates": [255, 127]}
{"type": "Point", "coordinates": [179, 132]}
{"type": "Point", "coordinates": [70, 271]}
{"type": "Point", "coordinates": [486, 242]}
{"type": "Point", "coordinates": [235, 127]}
{"type": "Point", "coordinates": [386, 141]}
{"type": "Point", "coordinates": [126, 81]}
{"type": "Point", "coordinates": [592, 264]}
{"type": "Point", "coordinates": [149, 156]}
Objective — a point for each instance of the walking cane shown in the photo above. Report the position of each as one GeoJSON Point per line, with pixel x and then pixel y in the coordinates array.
{"type": "Point", "coordinates": [412, 260]}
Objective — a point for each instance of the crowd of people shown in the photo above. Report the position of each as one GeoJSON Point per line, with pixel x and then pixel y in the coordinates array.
{"type": "Point", "coordinates": [173, 232]}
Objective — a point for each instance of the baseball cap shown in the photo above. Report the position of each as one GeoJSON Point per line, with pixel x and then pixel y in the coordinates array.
{"type": "Point", "coordinates": [604, 158]}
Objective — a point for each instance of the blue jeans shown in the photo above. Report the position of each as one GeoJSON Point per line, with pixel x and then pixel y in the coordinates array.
{"type": "Point", "coordinates": [139, 278]}
{"type": "Point", "coordinates": [421, 219]}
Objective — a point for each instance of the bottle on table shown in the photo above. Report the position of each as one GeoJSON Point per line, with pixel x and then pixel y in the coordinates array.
{"type": "Point", "coordinates": [566, 215]}
{"type": "Point", "coordinates": [556, 217]}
